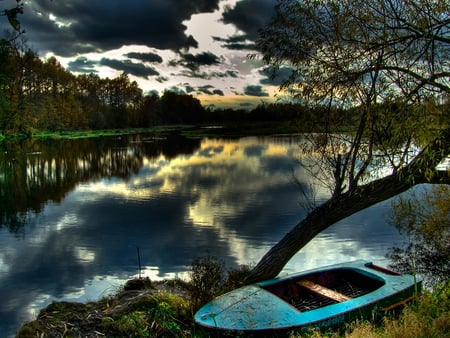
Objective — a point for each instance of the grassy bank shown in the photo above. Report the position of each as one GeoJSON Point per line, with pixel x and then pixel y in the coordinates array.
{"type": "Point", "coordinates": [165, 309]}
{"type": "Point", "coordinates": [226, 130]}
{"type": "Point", "coordinates": [105, 132]}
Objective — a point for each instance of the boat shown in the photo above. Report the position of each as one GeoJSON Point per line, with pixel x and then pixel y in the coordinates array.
{"type": "Point", "coordinates": [317, 298]}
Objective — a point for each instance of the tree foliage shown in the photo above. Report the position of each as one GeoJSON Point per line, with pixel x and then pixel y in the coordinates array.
{"type": "Point", "coordinates": [426, 222]}
{"type": "Point", "coordinates": [42, 95]}
{"type": "Point", "coordinates": [387, 62]}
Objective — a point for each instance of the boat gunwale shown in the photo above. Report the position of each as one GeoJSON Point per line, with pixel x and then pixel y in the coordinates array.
{"type": "Point", "coordinates": [380, 297]}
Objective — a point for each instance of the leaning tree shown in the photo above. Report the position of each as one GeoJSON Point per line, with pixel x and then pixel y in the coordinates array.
{"type": "Point", "coordinates": [388, 63]}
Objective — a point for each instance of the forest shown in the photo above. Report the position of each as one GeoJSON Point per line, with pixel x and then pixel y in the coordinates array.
{"type": "Point", "coordinates": [40, 95]}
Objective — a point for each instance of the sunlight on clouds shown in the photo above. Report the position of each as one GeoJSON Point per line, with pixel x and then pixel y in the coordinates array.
{"type": "Point", "coordinates": [324, 250]}
{"type": "Point", "coordinates": [154, 274]}
{"type": "Point", "coordinates": [68, 220]}
{"type": "Point", "coordinates": [204, 27]}
{"type": "Point", "coordinates": [237, 101]}
{"type": "Point", "coordinates": [58, 22]}
{"type": "Point", "coordinates": [168, 176]}
{"type": "Point", "coordinates": [240, 249]}
{"type": "Point", "coordinates": [4, 267]}
{"type": "Point", "coordinates": [84, 255]}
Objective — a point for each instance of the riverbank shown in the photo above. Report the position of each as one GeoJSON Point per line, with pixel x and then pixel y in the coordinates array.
{"type": "Point", "coordinates": [229, 129]}
{"type": "Point", "coordinates": [165, 309]}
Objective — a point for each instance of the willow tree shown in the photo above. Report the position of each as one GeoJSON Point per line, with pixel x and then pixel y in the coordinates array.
{"type": "Point", "coordinates": [387, 62]}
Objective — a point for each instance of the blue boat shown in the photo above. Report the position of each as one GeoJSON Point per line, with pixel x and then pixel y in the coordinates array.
{"type": "Point", "coordinates": [319, 298]}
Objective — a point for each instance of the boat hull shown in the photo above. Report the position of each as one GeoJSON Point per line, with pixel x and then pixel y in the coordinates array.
{"type": "Point", "coordinates": [320, 298]}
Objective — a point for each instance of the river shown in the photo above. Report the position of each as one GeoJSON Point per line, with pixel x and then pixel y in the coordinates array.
{"type": "Point", "coordinates": [75, 212]}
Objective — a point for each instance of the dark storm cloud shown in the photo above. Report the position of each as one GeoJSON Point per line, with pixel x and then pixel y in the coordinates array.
{"type": "Point", "coordinates": [82, 26]}
{"type": "Point", "coordinates": [206, 75]}
{"type": "Point", "coordinates": [162, 79]}
{"type": "Point", "coordinates": [194, 62]}
{"type": "Point", "coordinates": [237, 42]}
{"type": "Point", "coordinates": [275, 77]}
{"type": "Point", "coordinates": [231, 73]}
{"type": "Point", "coordinates": [255, 91]}
{"type": "Point", "coordinates": [136, 69]}
{"type": "Point", "coordinates": [218, 92]}
{"type": "Point", "coordinates": [250, 16]}
{"type": "Point", "coordinates": [82, 65]}
{"type": "Point", "coordinates": [146, 57]}
{"type": "Point", "coordinates": [189, 88]}
{"type": "Point", "coordinates": [207, 89]}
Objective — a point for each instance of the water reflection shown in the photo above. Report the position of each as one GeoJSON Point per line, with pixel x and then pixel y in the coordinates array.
{"type": "Point", "coordinates": [87, 205]}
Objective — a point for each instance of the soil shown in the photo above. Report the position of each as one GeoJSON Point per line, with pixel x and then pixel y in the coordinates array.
{"type": "Point", "coordinates": [71, 319]}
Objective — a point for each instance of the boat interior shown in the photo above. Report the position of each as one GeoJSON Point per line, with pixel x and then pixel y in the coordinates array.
{"type": "Point", "coordinates": [320, 289]}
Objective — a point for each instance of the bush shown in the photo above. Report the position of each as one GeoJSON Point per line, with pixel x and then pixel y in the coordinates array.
{"type": "Point", "coordinates": [425, 219]}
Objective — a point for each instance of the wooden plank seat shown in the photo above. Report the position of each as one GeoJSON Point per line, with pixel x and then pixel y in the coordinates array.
{"type": "Point", "coordinates": [322, 290]}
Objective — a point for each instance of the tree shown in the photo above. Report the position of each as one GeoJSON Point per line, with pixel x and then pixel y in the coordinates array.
{"type": "Point", "coordinates": [426, 221]}
{"type": "Point", "coordinates": [388, 62]}
{"type": "Point", "coordinates": [173, 108]}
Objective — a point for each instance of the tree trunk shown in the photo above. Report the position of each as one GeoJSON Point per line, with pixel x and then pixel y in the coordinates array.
{"type": "Point", "coordinates": [350, 202]}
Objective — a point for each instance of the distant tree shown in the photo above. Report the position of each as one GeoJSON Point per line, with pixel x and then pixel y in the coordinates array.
{"type": "Point", "coordinates": [12, 86]}
{"type": "Point", "coordinates": [425, 219]}
{"type": "Point", "coordinates": [90, 96]}
{"type": "Point", "coordinates": [123, 97]}
{"type": "Point", "coordinates": [147, 115]}
{"type": "Point", "coordinates": [176, 108]}
{"type": "Point", "coordinates": [389, 62]}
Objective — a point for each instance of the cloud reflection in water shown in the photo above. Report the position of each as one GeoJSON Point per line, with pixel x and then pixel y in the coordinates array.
{"type": "Point", "coordinates": [229, 198]}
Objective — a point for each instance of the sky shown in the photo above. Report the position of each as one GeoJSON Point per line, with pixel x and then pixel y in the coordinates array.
{"type": "Point", "coordinates": [196, 47]}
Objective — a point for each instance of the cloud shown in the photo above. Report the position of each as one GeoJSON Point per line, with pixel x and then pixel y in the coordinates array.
{"type": "Point", "coordinates": [162, 79]}
{"type": "Point", "coordinates": [146, 57]}
{"type": "Point", "coordinates": [218, 92]}
{"type": "Point", "coordinates": [189, 89]}
{"type": "Point", "coordinates": [194, 62]}
{"type": "Point", "coordinates": [206, 89]}
{"type": "Point", "coordinates": [250, 16]}
{"type": "Point", "coordinates": [275, 77]}
{"type": "Point", "coordinates": [254, 90]}
{"type": "Point", "coordinates": [82, 65]}
{"type": "Point", "coordinates": [137, 69]}
{"type": "Point", "coordinates": [209, 90]}
{"type": "Point", "coordinates": [236, 42]}
{"type": "Point", "coordinates": [162, 42]}
{"type": "Point", "coordinates": [72, 27]}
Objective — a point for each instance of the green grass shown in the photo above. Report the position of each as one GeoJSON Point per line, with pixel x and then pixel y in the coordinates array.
{"type": "Point", "coordinates": [428, 317]}
{"type": "Point", "coordinates": [227, 130]}
{"type": "Point", "coordinates": [95, 133]}
{"type": "Point", "coordinates": [167, 309]}
{"type": "Point", "coordinates": [167, 314]}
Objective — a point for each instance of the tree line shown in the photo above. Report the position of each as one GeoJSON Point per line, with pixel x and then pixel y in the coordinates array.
{"type": "Point", "coordinates": [42, 95]}
{"type": "Point", "coordinates": [38, 94]}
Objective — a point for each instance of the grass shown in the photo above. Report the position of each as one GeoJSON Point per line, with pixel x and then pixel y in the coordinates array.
{"type": "Point", "coordinates": [200, 131]}
{"type": "Point", "coordinates": [166, 309]}
{"type": "Point", "coordinates": [104, 132]}
{"type": "Point", "coordinates": [413, 322]}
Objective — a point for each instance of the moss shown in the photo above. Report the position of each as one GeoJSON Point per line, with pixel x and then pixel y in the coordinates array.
{"type": "Point", "coordinates": [165, 309]}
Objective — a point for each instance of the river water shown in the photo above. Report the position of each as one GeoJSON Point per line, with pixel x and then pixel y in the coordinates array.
{"type": "Point", "coordinates": [75, 212]}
